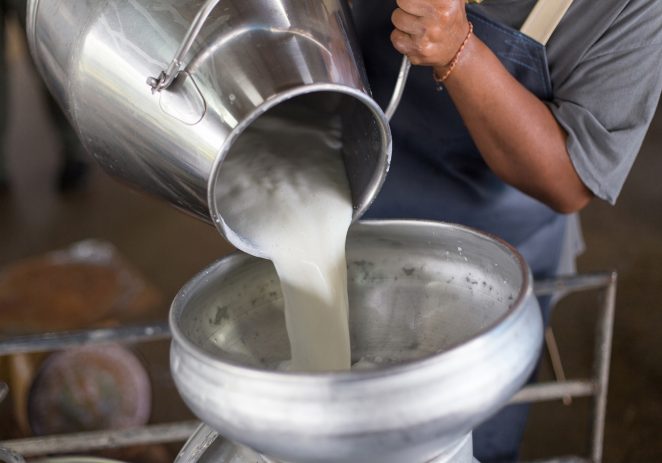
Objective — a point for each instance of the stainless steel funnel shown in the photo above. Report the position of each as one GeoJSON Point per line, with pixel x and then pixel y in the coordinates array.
{"type": "Point", "coordinates": [445, 313]}
{"type": "Point", "coordinates": [159, 90]}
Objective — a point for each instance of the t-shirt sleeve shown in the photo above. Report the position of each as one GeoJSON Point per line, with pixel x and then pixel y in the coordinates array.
{"type": "Point", "coordinates": [607, 102]}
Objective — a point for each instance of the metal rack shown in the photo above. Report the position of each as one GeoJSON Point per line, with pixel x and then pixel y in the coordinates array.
{"type": "Point", "coordinates": [560, 389]}
{"type": "Point", "coordinates": [597, 384]}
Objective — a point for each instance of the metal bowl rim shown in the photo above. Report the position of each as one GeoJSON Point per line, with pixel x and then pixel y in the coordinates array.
{"type": "Point", "coordinates": [514, 312]}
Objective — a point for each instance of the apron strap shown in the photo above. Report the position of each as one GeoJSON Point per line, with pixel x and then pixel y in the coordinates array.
{"type": "Point", "coordinates": [544, 18]}
{"type": "Point", "coordinates": [540, 25]}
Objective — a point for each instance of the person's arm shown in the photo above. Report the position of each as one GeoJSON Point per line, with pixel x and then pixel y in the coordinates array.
{"type": "Point", "coordinates": [516, 133]}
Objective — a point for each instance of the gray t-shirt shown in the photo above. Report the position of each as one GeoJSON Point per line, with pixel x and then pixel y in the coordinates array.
{"type": "Point", "coordinates": [605, 61]}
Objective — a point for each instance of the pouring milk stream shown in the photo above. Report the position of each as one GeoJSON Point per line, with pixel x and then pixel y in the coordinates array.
{"type": "Point", "coordinates": [289, 196]}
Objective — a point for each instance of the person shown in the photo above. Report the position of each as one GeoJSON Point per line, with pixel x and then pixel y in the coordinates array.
{"type": "Point", "coordinates": [74, 165]}
{"type": "Point", "coordinates": [504, 134]}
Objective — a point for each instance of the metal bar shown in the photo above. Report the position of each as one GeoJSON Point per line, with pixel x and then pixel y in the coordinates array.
{"type": "Point", "coordinates": [46, 342]}
{"type": "Point", "coordinates": [561, 287]}
{"type": "Point", "coordinates": [203, 438]}
{"type": "Point", "coordinates": [542, 392]}
{"type": "Point", "coordinates": [604, 335]}
{"type": "Point", "coordinates": [555, 359]}
{"type": "Point", "coordinates": [4, 389]}
{"type": "Point", "coordinates": [565, 285]}
{"type": "Point", "coordinates": [399, 88]}
{"type": "Point", "coordinates": [97, 440]}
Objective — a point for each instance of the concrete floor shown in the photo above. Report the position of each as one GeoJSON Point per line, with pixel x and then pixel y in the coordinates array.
{"type": "Point", "coordinates": [169, 247]}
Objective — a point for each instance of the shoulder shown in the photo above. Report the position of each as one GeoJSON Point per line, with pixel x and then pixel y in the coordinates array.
{"type": "Point", "coordinates": [646, 7]}
{"type": "Point", "coordinates": [606, 66]}
{"type": "Point", "coordinates": [592, 29]}
{"type": "Point", "coordinates": [638, 23]}
{"type": "Point", "coordinates": [626, 23]}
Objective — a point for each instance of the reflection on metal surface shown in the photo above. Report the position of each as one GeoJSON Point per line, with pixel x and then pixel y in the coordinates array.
{"type": "Point", "coordinates": [241, 58]}
{"type": "Point", "coordinates": [185, 103]}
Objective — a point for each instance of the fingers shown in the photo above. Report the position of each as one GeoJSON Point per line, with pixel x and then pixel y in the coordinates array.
{"type": "Point", "coordinates": [429, 32]}
{"type": "Point", "coordinates": [420, 8]}
{"type": "Point", "coordinates": [403, 42]}
{"type": "Point", "coordinates": [407, 23]}
{"type": "Point", "coordinates": [411, 47]}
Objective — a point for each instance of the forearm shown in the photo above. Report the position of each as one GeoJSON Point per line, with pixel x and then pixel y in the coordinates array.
{"type": "Point", "coordinates": [516, 133]}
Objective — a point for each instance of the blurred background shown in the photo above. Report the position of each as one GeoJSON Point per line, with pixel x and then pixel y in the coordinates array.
{"type": "Point", "coordinates": [46, 206]}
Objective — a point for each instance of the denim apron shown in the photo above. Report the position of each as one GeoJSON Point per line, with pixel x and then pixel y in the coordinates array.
{"type": "Point", "coordinates": [437, 173]}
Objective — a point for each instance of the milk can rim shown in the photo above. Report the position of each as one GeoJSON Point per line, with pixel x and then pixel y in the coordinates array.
{"type": "Point", "coordinates": [217, 218]}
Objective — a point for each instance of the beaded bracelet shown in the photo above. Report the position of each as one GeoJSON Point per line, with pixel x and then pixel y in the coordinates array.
{"type": "Point", "coordinates": [453, 62]}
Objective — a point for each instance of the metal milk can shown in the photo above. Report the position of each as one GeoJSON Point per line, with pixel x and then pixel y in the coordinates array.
{"type": "Point", "coordinates": [159, 90]}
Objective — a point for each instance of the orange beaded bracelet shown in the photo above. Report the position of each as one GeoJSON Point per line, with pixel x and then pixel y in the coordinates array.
{"type": "Point", "coordinates": [453, 62]}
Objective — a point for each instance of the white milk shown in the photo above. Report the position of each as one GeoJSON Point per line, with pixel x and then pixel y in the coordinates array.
{"type": "Point", "coordinates": [288, 196]}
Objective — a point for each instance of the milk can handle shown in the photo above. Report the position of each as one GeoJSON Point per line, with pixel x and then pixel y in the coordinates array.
{"type": "Point", "coordinates": [166, 77]}
{"type": "Point", "coordinates": [399, 88]}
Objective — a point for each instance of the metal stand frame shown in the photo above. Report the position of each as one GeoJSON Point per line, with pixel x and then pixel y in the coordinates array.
{"type": "Point", "coordinates": [561, 389]}
{"type": "Point", "coordinates": [595, 386]}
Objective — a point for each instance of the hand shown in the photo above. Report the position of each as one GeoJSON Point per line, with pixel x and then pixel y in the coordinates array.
{"type": "Point", "coordinates": [429, 32]}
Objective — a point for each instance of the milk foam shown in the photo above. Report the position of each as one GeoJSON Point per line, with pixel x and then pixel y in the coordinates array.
{"type": "Point", "coordinates": [288, 195]}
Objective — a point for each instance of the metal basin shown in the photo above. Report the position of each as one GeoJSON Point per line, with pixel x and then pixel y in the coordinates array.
{"type": "Point", "coordinates": [447, 314]}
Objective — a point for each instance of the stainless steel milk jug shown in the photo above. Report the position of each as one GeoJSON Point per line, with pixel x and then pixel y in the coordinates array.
{"type": "Point", "coordinates": [159, 90]}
